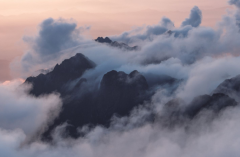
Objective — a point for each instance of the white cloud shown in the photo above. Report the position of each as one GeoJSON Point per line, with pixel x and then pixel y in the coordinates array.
{"type": "Point", "coordinates": [22, 111]}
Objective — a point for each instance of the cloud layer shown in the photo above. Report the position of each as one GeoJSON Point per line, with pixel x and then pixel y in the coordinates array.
{"type": "Point", "coordinates": [22, 111]}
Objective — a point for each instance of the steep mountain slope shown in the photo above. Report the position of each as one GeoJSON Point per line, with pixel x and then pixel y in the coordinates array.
{"type": "Point", "coordinates": [230, 87]}
{"type": "Point", "coordinates": [177, 111]}
{"type": "Point", "coordinates": [215, 103]}
{"type": "Point", "coordinates": [118, 94]}
{"type": "Point", "coordinates": [68, 70]}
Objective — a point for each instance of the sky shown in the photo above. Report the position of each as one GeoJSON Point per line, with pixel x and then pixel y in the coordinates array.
{"type": "Point", "coordinates": [105, 17]}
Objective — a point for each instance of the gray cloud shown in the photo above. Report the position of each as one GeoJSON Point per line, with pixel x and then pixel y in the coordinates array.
{"type": "Point", "coordinates": [195, 18]}
{"type": "Point", "coordinates": [149, 32]}
{"type": "Point", "coordinates": [166, 22]}
{"type": "Point", "coordinates": [235, 2]}
{"type": "Point", "coordinates": [218, 138]}
{"type": "Point", "coordinates": [237, 14]}
{"type": "Point", "coordinates": [54, 36]}
{"type": "Point", "coordinates": [24, 112]}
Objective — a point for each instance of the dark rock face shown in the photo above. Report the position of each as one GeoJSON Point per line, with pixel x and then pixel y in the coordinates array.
{"type": "Point", "coordinates": [104, 40]}
{"type": "Point", "coordinates": [118, 80]}
{"type": "Point", "coordinates": [226, 95]}
{"type": "Point", "coordinates": [119, 93]}
{"type": "Point", "coordinates": [116, 44]}
{"type": "Point", "coordinates": [177, 111]}
{"type": "Point", "coordinates": [68, 70]}
{"type": "Point", "coordinates": [215, 103]}
{"type": "Point", "coordinates": [154, 80]}
{"type": "Point", "coordinates": [124, 46]}
{"type": "Point", "coordinates": [230, 87]}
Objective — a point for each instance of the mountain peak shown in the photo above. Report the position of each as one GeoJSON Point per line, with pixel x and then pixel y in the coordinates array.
{"type": "Point", "coordinates": [104, 40]}
{"type": "Point", "coordinates": [116, 44]}
{"type": "Point", "coordinates": [70, 69]}
{"type": "Point", "coordinates": [134, 73]}
{"type": "Point", "coordinates": [134, 80]}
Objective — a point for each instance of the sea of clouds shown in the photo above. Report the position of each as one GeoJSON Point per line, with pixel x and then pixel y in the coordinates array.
{"type": "Point", "coordinates": [202, 57]}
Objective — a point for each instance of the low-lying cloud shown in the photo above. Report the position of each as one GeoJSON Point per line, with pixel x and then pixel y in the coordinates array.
{"type": "Point", "coordinates": [218, 139]}
{"type": "Point", "coordinates": [24, 112]}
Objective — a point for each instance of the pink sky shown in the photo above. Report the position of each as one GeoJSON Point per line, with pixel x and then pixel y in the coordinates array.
{"type": "Point", "coordinates": [19, 18]}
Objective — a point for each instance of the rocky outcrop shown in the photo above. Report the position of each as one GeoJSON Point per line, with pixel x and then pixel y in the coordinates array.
{"type": "Point", "coordinates": [103, 40]}
{"type": "Point", "coordinates": [230, 87]}
{"type": "Point", "coordinates": [215, 103]}
{"type": "Point", "coordinates": [116, 44]}
{"type": "Point", "coordinates": [68, 70]}
{"type": "Point", "coordinates": [119, 93]}
{"type": "Point", "coordinates": [177, 112]}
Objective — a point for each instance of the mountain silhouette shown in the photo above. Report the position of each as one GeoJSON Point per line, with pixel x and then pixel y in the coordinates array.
{"type": "Point", "coordinates": [68, 70]}
{"type": "Point", "coordinates": [117, 95]}
{"type": "Point", "coordinates": [116, 44]}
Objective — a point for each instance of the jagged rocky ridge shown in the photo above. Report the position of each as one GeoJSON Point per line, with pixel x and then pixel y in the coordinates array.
{"type": "Point", "coordinates": [69, 70]}
{"type": "Point", "coordinates": [118, 94]}
{"type": "Point", "coordinates": [116, 44]}
{"type": "Point", "coordinates": [230, 87]}
{"type": "Point", "coordinates": [177, 111]}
